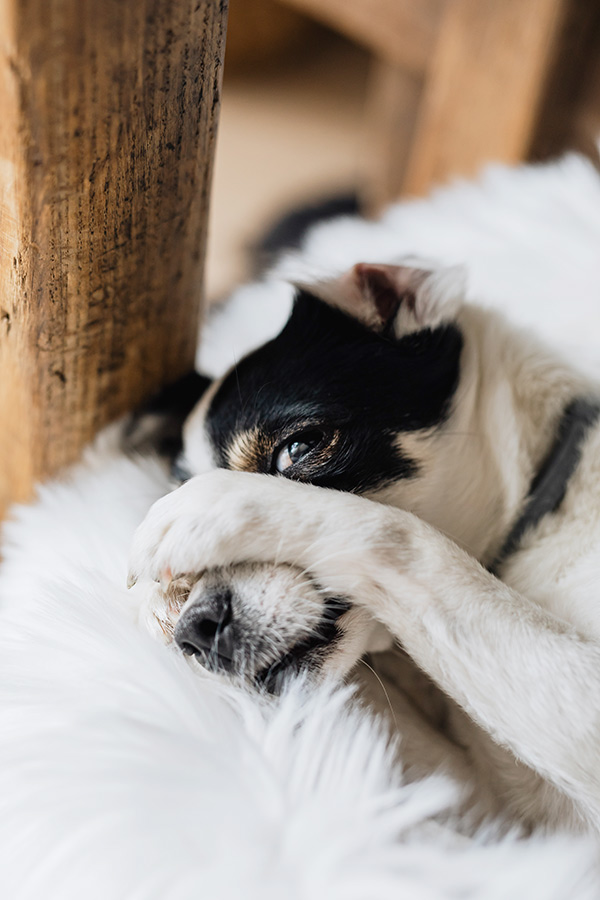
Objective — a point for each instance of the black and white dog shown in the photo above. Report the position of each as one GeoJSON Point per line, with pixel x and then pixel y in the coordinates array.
{"type": "Point", "coordinates": [400, 467]}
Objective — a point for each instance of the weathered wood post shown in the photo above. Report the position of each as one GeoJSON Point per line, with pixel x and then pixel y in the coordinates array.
{"type": "Point", "coordinates": [109, 112]}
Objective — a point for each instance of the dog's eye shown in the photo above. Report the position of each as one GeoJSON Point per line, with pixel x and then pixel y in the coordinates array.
{"type": "Point", "coordinates": [296, 449]}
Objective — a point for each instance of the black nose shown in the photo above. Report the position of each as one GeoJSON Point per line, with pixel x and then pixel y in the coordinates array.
{"type": "Point", "coordinates": [206, 629]}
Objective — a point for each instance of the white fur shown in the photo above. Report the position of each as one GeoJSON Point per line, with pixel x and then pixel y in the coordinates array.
{"type": "Point", "coordinates": [126, 776]}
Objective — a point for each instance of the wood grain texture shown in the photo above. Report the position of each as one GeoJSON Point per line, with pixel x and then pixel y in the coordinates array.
{"type": "Point", "coordinates": [393, 99]}
{"type": "Point", "coordinates": [109, 115]}
{"type": "Point", "coordinates": [483, 87]}
{"type": "Point", "coordinates": [399, 31]}
{"type": "Point", "coordinates": [570, 110]}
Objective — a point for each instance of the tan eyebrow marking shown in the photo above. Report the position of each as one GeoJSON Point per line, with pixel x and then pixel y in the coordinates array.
{"type": "Point", "coordinates": [248, 450]}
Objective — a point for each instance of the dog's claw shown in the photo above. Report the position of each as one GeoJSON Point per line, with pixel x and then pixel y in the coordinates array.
{"type": "Point", "coordinates": [166, 577]}
{"type": "Point", "coordinates": [131, 580]}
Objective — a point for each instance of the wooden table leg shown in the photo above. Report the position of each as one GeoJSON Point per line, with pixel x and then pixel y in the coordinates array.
{"type": "Point", "coordinates": [393, 98]}
{"type": "Point", "coordinates": [570, 112]}
{"type": "Point", "coordinates": [483, 87]}
{"type": "Point", "coordinates": [109, 110]}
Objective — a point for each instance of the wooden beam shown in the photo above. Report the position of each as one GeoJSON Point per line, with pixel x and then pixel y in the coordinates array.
{"type": "Point", "coordinates": [109, 116]}
{"type": "Point", "coordinates": [402, 32]}
{"type": "Point", "coordinates": [570, 111]}
{"type": "Point", "coordinates": [483, 87]}
{"type": "Point", "coordinates": [392, 109]}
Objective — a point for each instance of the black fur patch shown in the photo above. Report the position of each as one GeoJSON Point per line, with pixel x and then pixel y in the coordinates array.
{"type": "Point", "coordinates": [548, 488]}
{"type": "Point", "coordinates": [327, 373]}
{"type": "Point", "coordinates": [157, 425]}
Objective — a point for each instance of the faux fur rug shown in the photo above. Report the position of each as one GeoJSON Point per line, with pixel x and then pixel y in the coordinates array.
{"type": "Point", "coordinates": [125, 775]}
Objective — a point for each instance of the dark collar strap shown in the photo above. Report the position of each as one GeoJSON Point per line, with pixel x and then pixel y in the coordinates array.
{"type": "Point", "coordinates": [549, 486]}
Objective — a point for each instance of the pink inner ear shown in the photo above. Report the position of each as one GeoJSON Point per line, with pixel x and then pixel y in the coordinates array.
{"type": "Point", "coordinates": [374, 282]}
{"type": "Point", "coordinates": [389, 286]}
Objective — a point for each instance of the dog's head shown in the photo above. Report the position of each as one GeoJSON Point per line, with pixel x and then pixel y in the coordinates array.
{"type": "Point", "coordinates": [350, 395]}
{"type": "Point", "coordinates": [363, 372]}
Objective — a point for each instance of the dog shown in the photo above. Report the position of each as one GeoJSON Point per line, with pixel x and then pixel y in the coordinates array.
{"type": "Point", "coordinates": [402, 474]}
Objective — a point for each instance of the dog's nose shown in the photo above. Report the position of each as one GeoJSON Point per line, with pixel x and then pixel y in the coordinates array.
{"type": "Point", "coordinates": [206, 628]}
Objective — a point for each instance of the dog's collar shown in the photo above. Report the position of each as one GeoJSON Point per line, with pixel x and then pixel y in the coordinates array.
{"type": "Point", "coordinates": [549, 485]}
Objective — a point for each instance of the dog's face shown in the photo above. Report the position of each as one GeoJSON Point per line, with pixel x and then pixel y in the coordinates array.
{"type": "Point", "coordinates": [348, 396]}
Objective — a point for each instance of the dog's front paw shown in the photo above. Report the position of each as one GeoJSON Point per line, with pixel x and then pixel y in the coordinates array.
{"type": "Point", "coordinates": [221, 518]}
{"type": "Point", "coordinates": [226, 518]}
{"type": "Point", "coordinates": [200, 525]}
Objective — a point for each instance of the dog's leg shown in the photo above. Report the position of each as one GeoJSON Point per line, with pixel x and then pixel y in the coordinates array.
{"type": "Point", "coordinates": [531, 681]}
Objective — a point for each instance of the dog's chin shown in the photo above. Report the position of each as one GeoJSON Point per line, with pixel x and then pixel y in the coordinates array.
{"type": "Point", "coordinates": [308, 655]}
{"type": "Point", "coordinates": [329, 654]}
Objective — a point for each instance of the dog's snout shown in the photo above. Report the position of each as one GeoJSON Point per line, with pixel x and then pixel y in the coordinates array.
{"type": "Point", "coordinates": [206, 628]}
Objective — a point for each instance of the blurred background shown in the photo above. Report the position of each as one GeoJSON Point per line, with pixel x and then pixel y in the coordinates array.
{"type": "Point", "coordinates": [290, 131]}
{"type": "Point", "coordinates": [360, 102]}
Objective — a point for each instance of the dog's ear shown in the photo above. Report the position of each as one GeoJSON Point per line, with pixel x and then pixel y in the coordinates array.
{"type": "Point", "coordinates": [397, 299]}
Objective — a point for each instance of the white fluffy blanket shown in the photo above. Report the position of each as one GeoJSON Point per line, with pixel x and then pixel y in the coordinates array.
{"type": "Point", "coordinates": [124, 775]}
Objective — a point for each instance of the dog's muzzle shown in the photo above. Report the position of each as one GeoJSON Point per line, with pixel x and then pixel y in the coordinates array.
{"type": "Point", "coordinates": [217, 631]}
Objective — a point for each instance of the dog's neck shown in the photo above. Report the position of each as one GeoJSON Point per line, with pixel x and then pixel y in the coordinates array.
{"type": "Point", "coordinates": [478, 467]}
